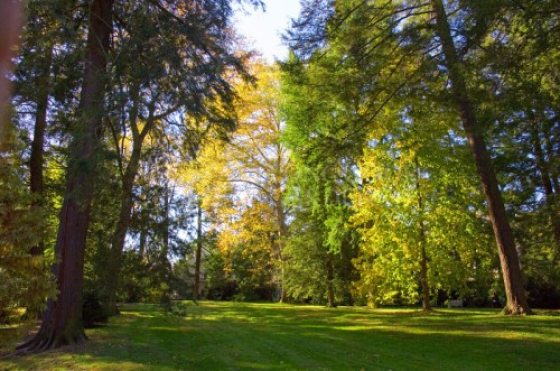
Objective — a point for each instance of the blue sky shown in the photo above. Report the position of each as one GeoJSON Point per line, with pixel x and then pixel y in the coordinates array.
{"type": "Point", "coordinates": [262, 30]}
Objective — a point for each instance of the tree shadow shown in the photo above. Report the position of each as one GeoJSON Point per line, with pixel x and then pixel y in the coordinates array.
{"type": "Point", "coordinates": [282, 337]}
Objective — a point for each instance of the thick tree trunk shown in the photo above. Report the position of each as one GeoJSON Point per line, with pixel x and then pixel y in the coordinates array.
{"type": "Point", "coordinates": [36, 161]}
{"type": "Point", "coordinates": [62, 322]}
{"type": "Point", "coordinates": [511, 272]}
{"type": "Point", "coordinates": [198, 254]}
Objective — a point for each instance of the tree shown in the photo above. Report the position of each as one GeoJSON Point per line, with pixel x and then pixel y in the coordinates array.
{"type": "Point", "coordinates": [46, 80]}
{"type": "Point", "coordinates": [511, 271]}
{"type": "Point", "coordinates": [252, 165]}
{"type": "Point", "coordinates": [172, 80]}
{"type": "Point", "coordinates": [524, 137]}
{"type": "Point", "coordinates": [62, 323]}
{"type": "Point", "coordinates": [418, 211]}
{"type": "Point", "coordinates": [382, 37]}
{"type": "Point", "coordinates": [323, 151]}
{"type": "Point", "coordinates": [25, 280]}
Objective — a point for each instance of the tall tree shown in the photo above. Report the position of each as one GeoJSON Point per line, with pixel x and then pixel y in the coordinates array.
{"type": "Point", "coordinates": [62, 322]}
{"type": "Point", "coordinates": [382, 38]}
{"type": "Point", "coordinates": [186, 73]}
{"type": "Point", "coordinates": [323, 151]}
{"type": "Point", "coordinates": [511, 271]}
{"type": "Point", "coordinates": [253, 164]}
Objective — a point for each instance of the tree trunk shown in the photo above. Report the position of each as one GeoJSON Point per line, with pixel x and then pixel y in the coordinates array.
{"type": "Point", "coordinates": [426, 305]}
{"type": "Point", "coordinates": [511, 272]}
{"type": "Point", "coordinates": [198, 254]}
{"type": "Point", "coordinates": [282, 234]}
{"type": "Point", "coordinates": [36, 161]}
{"type": "Point", "coordinates": [543, 168]}
{"type": "Point", "coordinates": [62, 322]}
{"type": "Point", "coordinates": [166, 220]}
{"type": "Point", "coordinates": [553, 168]}
{"type": "Point", "coordinates": [424, 283]}
{"type": "Point", "coordinates": [331, 301]}
{"type": "Point", "coordinates": [143, 235]}
{"type": "Point", "coordinates": [119, 235]}
{"type": "Point", "coordinates": [117, 242]}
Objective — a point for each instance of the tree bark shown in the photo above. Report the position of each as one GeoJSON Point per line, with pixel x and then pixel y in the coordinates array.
{"type": "Point", "coordinates": [511, 272]}
{"type": "Point", "coordinates": [62, 322]}
{"type": "Point", "coordinates": [126, 202]}
{"type": "Point", "coordinates": [198, 254]}
{"type": "Point", "coordinates": [424, 283]}
{"type": "Point", "coordinates": [143, 235]}
{"type": "Point", "coordinates": [166, 220]}
{"type": "Point", "coordinates": [36, 161]}
{"type": "Point", "coordinates": [426, 305]}
{"type": "Point", "coordinates": [117, 242]}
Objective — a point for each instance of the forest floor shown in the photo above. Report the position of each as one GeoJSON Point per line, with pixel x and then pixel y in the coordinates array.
{"type": "Point", "coordinates": [230, 335]}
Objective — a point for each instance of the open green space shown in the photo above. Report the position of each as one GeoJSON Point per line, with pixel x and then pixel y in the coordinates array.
{"type": "Point", "coordinates": [231, 335]}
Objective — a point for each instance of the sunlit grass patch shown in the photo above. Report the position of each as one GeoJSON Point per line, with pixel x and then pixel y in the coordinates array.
{"type": "Point", "coordinates": [225, 335]}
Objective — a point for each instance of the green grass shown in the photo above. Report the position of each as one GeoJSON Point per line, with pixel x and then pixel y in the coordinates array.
{"type": "Point", "coordinates": [220, 335]}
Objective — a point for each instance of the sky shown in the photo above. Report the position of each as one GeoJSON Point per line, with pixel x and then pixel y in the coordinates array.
{"type": "Point", "coordinates": [262, 30]}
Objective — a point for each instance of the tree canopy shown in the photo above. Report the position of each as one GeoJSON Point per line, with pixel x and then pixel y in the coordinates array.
{"type": "Point", "coordinates": [404, 153]}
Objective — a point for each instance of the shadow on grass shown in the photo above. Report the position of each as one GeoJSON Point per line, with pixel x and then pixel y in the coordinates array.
{"type": "Point", "coordinates": [262, 336]}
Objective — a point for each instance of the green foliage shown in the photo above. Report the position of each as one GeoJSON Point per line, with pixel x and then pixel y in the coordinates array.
{"type": "Point", "coordinates": [368, 91]}
{"type": "Point", "coordinates": [340, 178]}
{"type": "Point", "coordinates": [93, 312]}
{"type": "Point", "coordinates": [217, 283]}
{"type": "Point", "coordinates": [25, 280]}
{"type": "Point", "coordinates": [321, 244]}
{"type": "Point", "coordinates": [179, 309]}
{"type": "Point", "coordinates": [431, 206]}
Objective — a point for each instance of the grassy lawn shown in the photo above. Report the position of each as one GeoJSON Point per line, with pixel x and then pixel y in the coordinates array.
{"type": "Point", "coordinates": [220, 335]}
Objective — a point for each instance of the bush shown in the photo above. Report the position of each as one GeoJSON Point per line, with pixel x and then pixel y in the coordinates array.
{"type": "Point", "coordinates": [543, 295]}
{"type": "Point", "coordinates": [93, 311]}
{"type": "Point", "coordinates": [179, 309]}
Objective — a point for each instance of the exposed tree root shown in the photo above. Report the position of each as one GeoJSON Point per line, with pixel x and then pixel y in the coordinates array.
{"type": "Point", "coordinates": [516, 310]}
{"type": "Point", "coordinates": [42, 342]}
